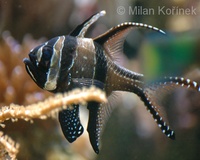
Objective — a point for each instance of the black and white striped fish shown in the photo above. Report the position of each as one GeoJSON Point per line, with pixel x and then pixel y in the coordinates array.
{"type": "Point", "coordinates": [73, 61]}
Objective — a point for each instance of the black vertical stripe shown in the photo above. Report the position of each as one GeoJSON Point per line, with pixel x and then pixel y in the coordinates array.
{"type": "Point", "coordinates": [101, 64]}
{"type": "Point", "coordinates": [67, 62]}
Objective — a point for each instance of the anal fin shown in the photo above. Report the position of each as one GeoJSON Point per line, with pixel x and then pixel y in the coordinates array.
{"type": "Point", "coordinates": [94, 124]}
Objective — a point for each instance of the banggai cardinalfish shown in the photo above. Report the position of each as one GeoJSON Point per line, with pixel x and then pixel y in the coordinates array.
{"type": "Point", "coordinates": [73, 61]}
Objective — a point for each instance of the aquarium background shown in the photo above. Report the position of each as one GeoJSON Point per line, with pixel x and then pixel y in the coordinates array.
{"type": "Point", "coordinates": [131, 132]}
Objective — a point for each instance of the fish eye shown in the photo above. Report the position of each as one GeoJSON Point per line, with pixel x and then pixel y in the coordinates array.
{"type": "Point", "coordinates": [46, 53]}
{"type": "Point", "coordinates": [46, 57]}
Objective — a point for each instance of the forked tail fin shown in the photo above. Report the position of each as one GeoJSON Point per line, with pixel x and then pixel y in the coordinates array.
{"type": "Point", "coordinates": [153, 107]}
{"type": "Point", "coordinates": [179, 81]}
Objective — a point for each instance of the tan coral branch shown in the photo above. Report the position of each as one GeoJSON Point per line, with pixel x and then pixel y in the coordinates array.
{"type": "Point", "coordinates": [52, 104]}
{"type": "Point", "coordinates": [8, 146]}
{"type": "Point", "coordinates": [41, 110]}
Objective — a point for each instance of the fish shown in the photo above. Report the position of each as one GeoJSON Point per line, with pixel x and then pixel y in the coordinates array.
{"type": "Point", "coordinates": [73, 61]}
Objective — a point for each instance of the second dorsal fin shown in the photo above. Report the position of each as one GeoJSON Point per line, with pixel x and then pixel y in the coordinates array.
{"type": "Point", "coordinates": [81, 29]}
{"type": "Point", "coordinates": [113, 39]}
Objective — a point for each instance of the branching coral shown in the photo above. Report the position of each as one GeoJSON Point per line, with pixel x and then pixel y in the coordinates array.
{"type": "Point", "coordinates": [44, 109]}
{"type": "Point", "coordinates": [8, 148]}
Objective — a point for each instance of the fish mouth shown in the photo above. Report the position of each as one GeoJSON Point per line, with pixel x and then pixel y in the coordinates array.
{"type": "Point", "coordinates": [30, 62]}
{"type": "Point", "coordinates": [38, 76]}
{"type": "Point", "coordinates": [26, 61]}
{"type": "Point", "coordinates": [30, 68]}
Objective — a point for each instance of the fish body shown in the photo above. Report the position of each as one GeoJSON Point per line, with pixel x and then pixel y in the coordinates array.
{"type": "Point", "coordinates": [73, 61]}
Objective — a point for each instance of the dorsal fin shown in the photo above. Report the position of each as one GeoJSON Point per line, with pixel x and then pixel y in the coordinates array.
{"type": "Point", "coordinates": [113, 39]}
{"type": "Point", "coordinates": [81, 29]}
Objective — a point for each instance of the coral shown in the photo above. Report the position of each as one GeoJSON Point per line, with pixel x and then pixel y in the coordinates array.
{"type": "Point", "coordinates": [51, 105]}
{"type": "Point", "coordinates": [43, 109]}
{"type": "Point", "coordinates": [8, 148]}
